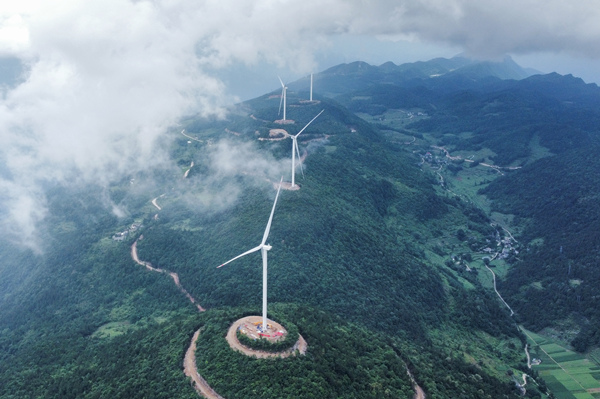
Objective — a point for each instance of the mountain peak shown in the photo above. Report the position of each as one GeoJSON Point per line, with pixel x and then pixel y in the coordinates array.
{"type": "Point", "coordinates": [457, 73]}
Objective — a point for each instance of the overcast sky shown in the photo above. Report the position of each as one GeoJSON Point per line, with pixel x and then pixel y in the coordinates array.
{"type": "Point", "coordinates": [106, 78]}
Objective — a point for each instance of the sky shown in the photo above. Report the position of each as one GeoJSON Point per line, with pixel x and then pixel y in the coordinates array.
{"type": "Point", "coordinates": [105, 80]}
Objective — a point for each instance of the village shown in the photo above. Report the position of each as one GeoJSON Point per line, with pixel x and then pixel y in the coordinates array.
{"type": "Point", "coordinates": [122, 235]}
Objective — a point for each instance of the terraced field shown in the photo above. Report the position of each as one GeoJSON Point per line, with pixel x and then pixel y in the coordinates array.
{"type": "Point", "coordinates": [569, 375]}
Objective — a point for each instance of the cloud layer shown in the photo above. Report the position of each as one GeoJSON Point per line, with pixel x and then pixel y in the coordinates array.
{"type": "Point", "coordinates": [106, 78]}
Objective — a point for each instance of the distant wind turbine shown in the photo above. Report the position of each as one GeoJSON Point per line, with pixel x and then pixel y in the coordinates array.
{"type": "Point", "coordinates": [296, 150]}
{"type": "Point", "coordinates": [311, 85]}
{"type": "Point", "coordinates": [263, 248]}
{"type": "Point", "coordinates": [283, 97]}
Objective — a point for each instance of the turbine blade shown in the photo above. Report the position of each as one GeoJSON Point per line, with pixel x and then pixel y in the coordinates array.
{"type": "Point", "coordinates": [280, 81]}
{"type": "Point", "coordinates": [280, 102]}
{"type": "Point", "coordinates": [244, 254]}
{"type": "Point", "coordinates": [266, 235]}
{"type": "Point", "coordinates": [311, 121]}
{"type": "Point", "coordinates": [299, 159]}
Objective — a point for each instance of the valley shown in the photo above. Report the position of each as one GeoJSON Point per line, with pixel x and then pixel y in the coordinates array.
{"type": "Point", "coordinates": [462, 175]}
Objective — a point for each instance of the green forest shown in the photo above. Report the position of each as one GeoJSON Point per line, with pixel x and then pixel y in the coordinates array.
{"type": "Point", "coordinates": [378, 260]}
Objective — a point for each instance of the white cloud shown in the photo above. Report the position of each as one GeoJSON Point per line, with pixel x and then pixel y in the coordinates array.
{"type": "Point", "coordinates": [14, 36]}
{"type": "Point", "coordinates": [106, 78]}
{"type": "Point", "coordinates": [216, 189]}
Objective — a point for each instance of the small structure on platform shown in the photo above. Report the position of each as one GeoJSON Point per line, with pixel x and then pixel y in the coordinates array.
{"type": "Point", "coordinates": [284, 121]}
{"type": "Point", "coordinates": [252, 328]}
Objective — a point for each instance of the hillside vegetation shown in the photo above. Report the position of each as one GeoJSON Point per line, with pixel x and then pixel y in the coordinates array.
{"type": "Point", "coordinates": [546, 128]}
{"type": "Point", "coordinates": [379, 258]}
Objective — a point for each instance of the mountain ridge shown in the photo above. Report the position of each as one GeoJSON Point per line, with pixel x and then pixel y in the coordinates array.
{"type": "Point", "coordinates": [387, 232]}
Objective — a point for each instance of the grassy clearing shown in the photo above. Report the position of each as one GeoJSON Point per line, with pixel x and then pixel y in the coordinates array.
{"type": "Point", "coordinates": [395, 118]}
{"type": "Point", "coordinates": [537, 150]}
{"type": "Point", "coordinates": [500, 268]}
{"type": "Point", "coordinates": [438, 261]}
{"type": "Point", "coordinates": [552, 349]}
{"type": "Point", "coordinates": [481, 349]}
{"type": "Point", "coordinates": [112, 329]}
{"type": "Point", "coordinates": [467, 182]}
{"type": "Point", "coordinates": [484, 276]}
{"type": "Point", "coordinates": [185, 225]}
{"type": "Point", "coordinates": [568, 374]}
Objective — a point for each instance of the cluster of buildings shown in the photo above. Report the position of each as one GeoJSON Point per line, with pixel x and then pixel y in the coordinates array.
{"type": "Point", "coordinates": [120, 236]}
{"type": "Point", "coordinates": [504, 248]}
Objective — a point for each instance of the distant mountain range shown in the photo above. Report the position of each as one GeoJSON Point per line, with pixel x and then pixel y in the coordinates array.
{"type": "Point", "coordinates": [547, 124]}
{"type": "Point", "coordinates": [441, 73]}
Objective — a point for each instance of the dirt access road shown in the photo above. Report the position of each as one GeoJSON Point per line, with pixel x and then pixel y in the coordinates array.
{"type": "Point", "coordinates": [174, 276]}
{"type": "Point", "coordinates": [419, 393]}
{"type": "Point", "coordinates": [189, 361]}
{"type": "Point", "coordinates": [189, 369]}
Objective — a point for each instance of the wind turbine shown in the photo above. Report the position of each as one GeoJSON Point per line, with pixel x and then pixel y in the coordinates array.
{"type": "Point", "coordinates": [296, 150]}
{"type": "Point", "coordinates": [283, 99]}
{"type": "Point", "coordinates": [263, 248]}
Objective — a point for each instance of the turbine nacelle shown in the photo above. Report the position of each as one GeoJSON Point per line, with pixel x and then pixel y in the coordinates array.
{"type": "Point", "coordinates": [311, 86]}
{"type": "Point", "coordinates": [295, 150]}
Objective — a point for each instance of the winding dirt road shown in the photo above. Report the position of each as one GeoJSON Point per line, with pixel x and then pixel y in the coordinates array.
{"type": "Point", "coordinates": [155, 204]}
{"type": "Point", "coordinates": [187, 172]}
{"type": "Point", "coordinates": [174, 276]}
{"type": "Point", "coordinates": [189, 361]}
{"type": "Point", "coordinates": [419, 393]}
{"type": "Point", "coordinates": [190, 369]}
{"type": "Point", "coordinates": [190, 137]}
{"type": "Point", "coordinates": [528, 356]}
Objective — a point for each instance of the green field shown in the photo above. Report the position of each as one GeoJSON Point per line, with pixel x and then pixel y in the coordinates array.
{"type": "Point", "coordinates": [112, 329]}
{"type": "Point", "coordinates": [567, 374]}
{"type": "Point", "coordinates": [395, 118]}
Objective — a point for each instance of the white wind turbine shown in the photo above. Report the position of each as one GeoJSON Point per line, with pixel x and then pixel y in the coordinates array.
{"type": "Point", "coordinates": [311, 85]}
{"type": "Point", "coordinates": [263, 248]}
{"type": "Point", "coordinates": [295, 150]}
{"type": "Point", "coordinates": [283, 97]}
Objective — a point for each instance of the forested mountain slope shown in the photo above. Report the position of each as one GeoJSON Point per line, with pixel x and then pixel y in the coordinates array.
{"type": "Point", "coordinates": [555, 283]}
{"type": "Point", "coordinates": [545, 129]}
{"type": "Point", "coordinates": [371, 249]}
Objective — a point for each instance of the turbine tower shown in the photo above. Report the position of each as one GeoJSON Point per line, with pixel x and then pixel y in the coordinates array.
{"type": "Point", "coordinates": [263, 248]}
{"type": "Point", "coordinates": [283, 99]}
{"type": "Point", "coordinates": [311, 84]}
{"type": "Point", "coordinates": [296, 150]}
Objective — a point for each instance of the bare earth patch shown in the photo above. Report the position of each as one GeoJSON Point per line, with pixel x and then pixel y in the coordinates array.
{"type": "Point", "coordinates": [174, 276]}
{"type": "Point", "coordinates": [235, 344]}
{"type": "Point", "coordinates": [275, 135]}
{"type": "Point", "coordinates": [284, 122]}
{"type": "Point", "coordinates": [286, 185]}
